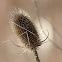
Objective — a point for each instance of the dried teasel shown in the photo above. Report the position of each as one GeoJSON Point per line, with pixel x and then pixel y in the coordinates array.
{"type": "Point", "coordinates": [25, 29]}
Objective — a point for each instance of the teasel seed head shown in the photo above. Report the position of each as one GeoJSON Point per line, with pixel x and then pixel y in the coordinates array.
{"type": "Point", "coordinates": [24, 28]}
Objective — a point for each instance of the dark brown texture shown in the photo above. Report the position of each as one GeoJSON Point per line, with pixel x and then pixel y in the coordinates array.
{"type": "Point", "coordinates": [25, 25]}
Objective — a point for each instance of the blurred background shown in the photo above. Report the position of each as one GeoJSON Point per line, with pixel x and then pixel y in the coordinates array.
{"type": "Point", "coordinates": [50, 51]}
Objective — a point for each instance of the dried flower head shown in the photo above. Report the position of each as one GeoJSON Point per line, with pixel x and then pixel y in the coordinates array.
{"type": "Point", "coordinates": [25, 29]}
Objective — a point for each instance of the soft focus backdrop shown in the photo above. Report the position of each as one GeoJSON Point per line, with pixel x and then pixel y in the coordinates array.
{"type": "Point", "coordinates": [48, 52]}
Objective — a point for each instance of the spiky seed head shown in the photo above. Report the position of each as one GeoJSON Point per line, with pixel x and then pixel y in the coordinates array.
{"type": "Point", "coordinates": [24, 28]}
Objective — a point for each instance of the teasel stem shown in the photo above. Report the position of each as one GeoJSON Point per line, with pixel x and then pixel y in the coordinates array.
{"type": "Point", "coordinates": [36, 55]}
{"type": "Point", "coordinates": [37, 9]}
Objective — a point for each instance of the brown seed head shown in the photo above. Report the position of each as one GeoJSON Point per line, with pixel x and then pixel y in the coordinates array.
{"type": "Point", "coordinates": [24, 26]}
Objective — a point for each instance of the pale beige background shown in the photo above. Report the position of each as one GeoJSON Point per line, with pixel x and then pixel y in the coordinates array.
{"type": "Point", "coordinates": [52, 10]}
